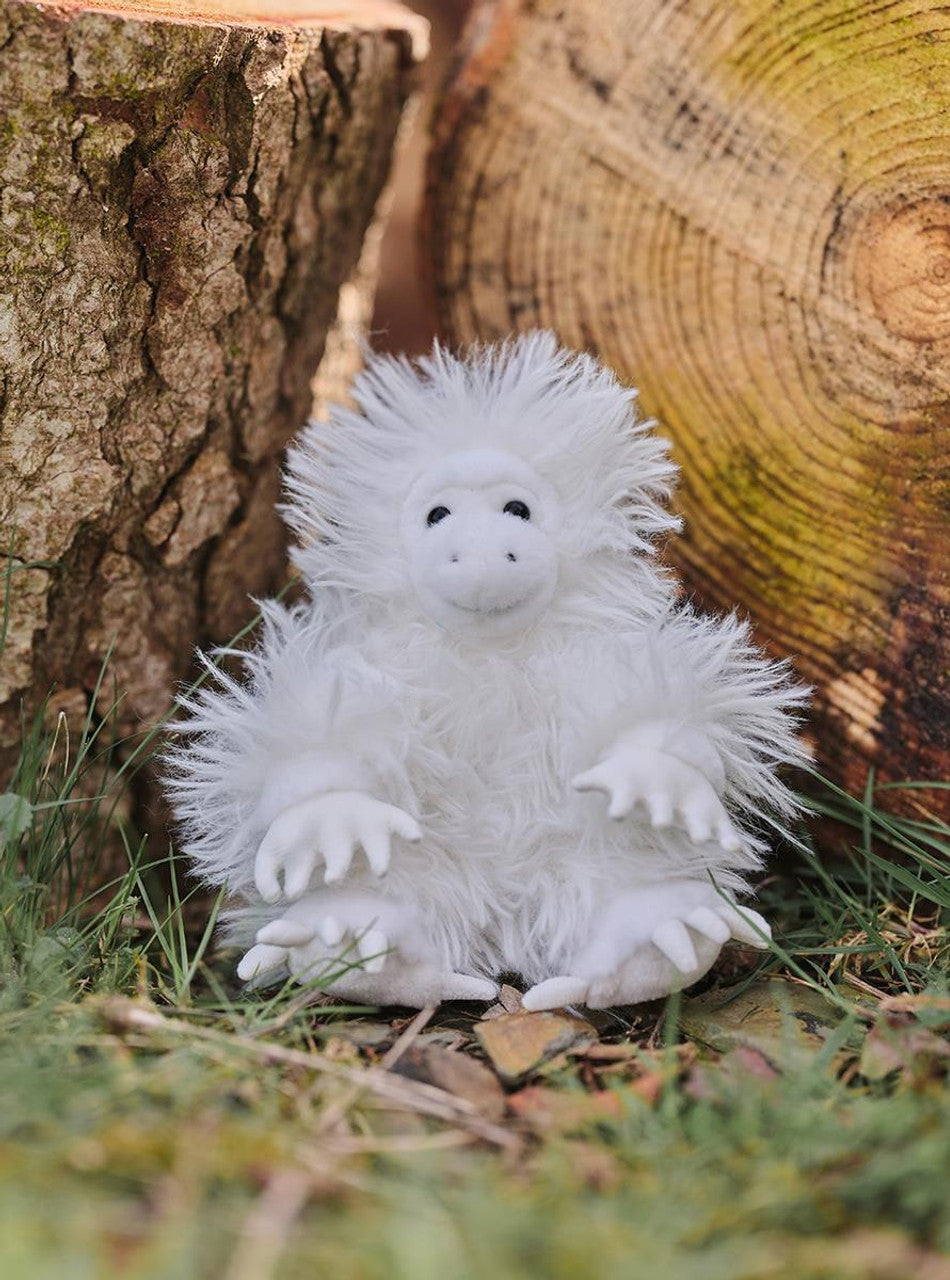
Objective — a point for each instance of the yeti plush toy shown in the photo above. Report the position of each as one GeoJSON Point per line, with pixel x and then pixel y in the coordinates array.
{"type": "Point", "coordinates": [491, 740]}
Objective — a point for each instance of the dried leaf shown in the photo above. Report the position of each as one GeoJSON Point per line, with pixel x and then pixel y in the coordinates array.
{"type": "Point", "coordinates": [784, 1021]}
{"type": "Point", "coordinates": [746, 1061]}
{"type": "Point", "coordinates": [867, 1254]}
{"type": "Point", "coordinates": [550, 1111]}
{"type": "Point", "coordinates": [930, 1009]}
{"type": "Point", "coordinates": [716, 1080]}
{"type": "Point", "coordinates": [594, 1165]}
{"type": "Point", "coordinates": [340, 1049]}
{"type": "Point", "coordinates": [519, 1043]}
{"type": "Point", "coordinates": [442, 1038]}
{"type": "Point", "coordinates": [598, 1052]}
{"type": "Point", "coordinates": [363, 1033]}
{"type": "Point", "coordinates": [703, 1083]}
{"type": "Point", "coordinates": [456, 1073]}
{"type": "Point", "coordinates": [912, 1049]}
{"type": "Point", "coordinates": [509, 998]}
{"type": "Point", "coordinates": [494, 1011]}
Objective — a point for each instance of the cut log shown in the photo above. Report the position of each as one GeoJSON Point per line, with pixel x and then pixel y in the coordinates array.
{"type": "Point", "coordinates": [745, 210]}
{"type": "Point", "coordinates": [184, 191]}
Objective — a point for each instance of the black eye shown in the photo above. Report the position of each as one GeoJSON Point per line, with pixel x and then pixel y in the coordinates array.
{"type": "Point", "coordinates": [518, 509]}
{"type": "Point", "coordinates": [437, 514]}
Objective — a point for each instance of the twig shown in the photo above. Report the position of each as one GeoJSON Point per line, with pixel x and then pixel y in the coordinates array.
{"type": "Point", "coordinates": [399, 1143]}
{"type": "Point", "coordinates": [314, 996]}
{"type": "Point", "coordinates": [337, 1109]}
{"type": "Point", "coordinates": [406, 1037]}
{"type": "Point", "coordinates": [404, 1094]}
{"type": "Point", "coordinates": [859, 984]}
{"type": "Point", "coordinates": [264, 1231]}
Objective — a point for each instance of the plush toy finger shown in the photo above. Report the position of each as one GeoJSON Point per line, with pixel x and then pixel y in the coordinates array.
{"type": "Point", "coordinates": [747, 925]}
{"type": "Point", "coordinates": [604, 777]}
{"type": "Point", "coordinates": [672, 938]}
{"type": "Point", "coordinates": [330, 931]}
{"type": "Point", "coordinates": [712, 926]}
{"type": "Point", "coordinates": [597, 779]}
{"type": "Point", "coordinates": [375, 826]}
{"type": "Point", "coordinates": [336, 845]}
{"type": "Point", "coordinates": [402, 823]}
{"type": "Point", "coordinates": [555, 993]}
{"type": "Point", "coordinates": [660, 808]}
{"type": "Point", "coordinates": [413, 984]}
{"type": "Point", "coordinates": [285, 933]}
{"type": "Point", "coordinates": [260, 960]}
{"type": "Point", "coordinates": [610, 779]}
{"type": "Point", "coordinates": [727, 836]}
{"type": "Point", "coordinates": [371, 947]}
{"type": "Point", "coordinates": [265, 880]}
{"type": "Point", "coordinates": [376, 845]}
{"type": "Point", "coordinates": [625, 790]}
{"type": "Point", "coordinates": [622, 800]}
{"type": "Point", "coordinates": [298, 868]}
{"type": "Point", "coordinates": [280, 838]}
{"type": "Point", "coordinates": [695, 816]}
{"type": "Point", "coordinates": [460, 986]}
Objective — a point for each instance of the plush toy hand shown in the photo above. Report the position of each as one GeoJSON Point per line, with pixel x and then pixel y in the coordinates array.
{"type": "Point", "coordinates": [328, 827]}
{"type": "Point", "coordinates": [668, 789]}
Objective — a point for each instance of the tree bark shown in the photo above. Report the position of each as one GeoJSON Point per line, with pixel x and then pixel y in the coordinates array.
{"type": "Point", "coordinates": [745, 210]}
{"type": "Point", "coordinates": [182, 198]}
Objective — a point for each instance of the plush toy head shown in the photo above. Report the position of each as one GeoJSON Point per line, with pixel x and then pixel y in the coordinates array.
{"type": "Point", "coordinates": [479, 528]}
{"type": "Point", "coordinates": [478, 490]}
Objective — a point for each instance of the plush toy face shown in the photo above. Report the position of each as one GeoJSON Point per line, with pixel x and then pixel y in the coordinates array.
{"type": "Point", "coordinates": [479, 531]}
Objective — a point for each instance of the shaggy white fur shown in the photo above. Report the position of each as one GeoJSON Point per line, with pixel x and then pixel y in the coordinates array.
{"type": "Point", "coordinates": [488, 645]}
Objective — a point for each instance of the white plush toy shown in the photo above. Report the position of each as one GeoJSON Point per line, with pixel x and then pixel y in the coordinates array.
{"type": "Point", "coordinates": [492, 740]}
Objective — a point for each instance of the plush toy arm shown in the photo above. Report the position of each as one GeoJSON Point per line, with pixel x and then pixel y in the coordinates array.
{"type": "Point", "coordinates": [290, 782]}
{"type": "Point", "coordinates": [686, 742]}
{"type": "Point", "coordinates": [680, 739]}
{"type": "Point", "coordinates": [306, 722]}
{"type": "Point", "coordinates": [673, 772]}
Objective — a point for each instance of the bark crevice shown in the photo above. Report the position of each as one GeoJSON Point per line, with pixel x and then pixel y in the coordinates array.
{"type": "Point", "coordinates": [178, 223]}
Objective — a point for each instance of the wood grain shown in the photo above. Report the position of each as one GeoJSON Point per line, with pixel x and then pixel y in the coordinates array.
{"type": "Point", "coordinates": [744, 208]}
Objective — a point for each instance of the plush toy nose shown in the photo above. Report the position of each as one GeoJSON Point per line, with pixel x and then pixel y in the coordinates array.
{"type": "Point", "coordinates": [481, 581]}
{"type": "Point", "coordinates": [484, 569]}
{"type": "Point", "coordinates": [456, 557]}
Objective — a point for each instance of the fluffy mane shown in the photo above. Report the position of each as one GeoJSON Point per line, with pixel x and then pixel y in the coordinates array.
{"type": "Point", "coordinates": [562, 413]}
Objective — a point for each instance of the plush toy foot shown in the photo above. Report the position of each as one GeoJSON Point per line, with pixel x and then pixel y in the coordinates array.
{"type": "Point", "coordinates": [360, 947]}
{"type": "Point", "coordinates": [650, 943]}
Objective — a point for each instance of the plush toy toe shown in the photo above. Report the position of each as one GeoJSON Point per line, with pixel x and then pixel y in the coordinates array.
{"type": "Point", "coordinates": [555, 993]}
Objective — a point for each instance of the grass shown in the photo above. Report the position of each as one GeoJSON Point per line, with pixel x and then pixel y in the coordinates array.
{"type": "Point", "coordinates": [155, 1121]}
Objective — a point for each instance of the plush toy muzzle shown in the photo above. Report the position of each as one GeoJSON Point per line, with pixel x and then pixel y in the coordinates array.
{"type": "Point", "coordinates": [477, 530]}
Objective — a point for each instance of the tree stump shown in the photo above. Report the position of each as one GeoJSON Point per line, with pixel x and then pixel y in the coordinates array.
{"type": "Point", "coordinates": [184, 191]}
{"type": "Point", "coordinates": [745, 210]}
